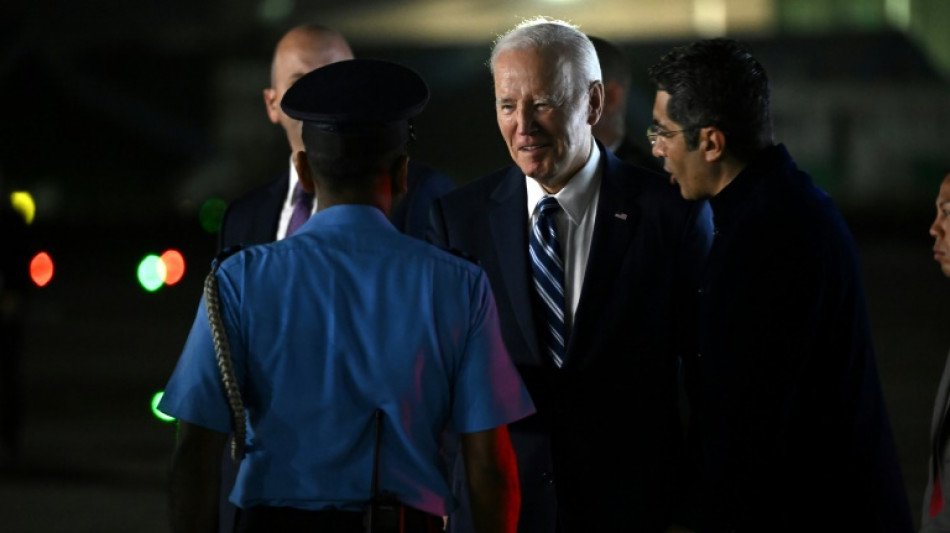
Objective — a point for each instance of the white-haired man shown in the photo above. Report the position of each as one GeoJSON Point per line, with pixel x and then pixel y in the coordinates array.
{"type": "Point", "coordinates": [590, 260]}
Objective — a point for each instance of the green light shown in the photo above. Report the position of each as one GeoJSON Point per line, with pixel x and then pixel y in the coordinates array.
{"type": "Point", "coordinates": [158, 414]}
{"type": "Point", "coordinates": [211, 214]}
{"type": "Point", "coordinates": [151, 273]}
{"type": "Point", "coordinates": [275, 10]}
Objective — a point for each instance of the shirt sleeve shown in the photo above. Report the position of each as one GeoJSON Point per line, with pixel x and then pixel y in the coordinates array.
{"type": "Point", "coordinates": [489, 391]}
{"type": "Point", "coordinates": [194, 392]}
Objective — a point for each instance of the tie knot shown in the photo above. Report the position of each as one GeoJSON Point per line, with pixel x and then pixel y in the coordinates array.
{"type": "Point", "coordinates": [548, 205]}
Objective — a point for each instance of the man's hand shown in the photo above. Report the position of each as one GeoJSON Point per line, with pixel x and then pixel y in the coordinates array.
{"type": "Point", "coordinates": [494, 488]}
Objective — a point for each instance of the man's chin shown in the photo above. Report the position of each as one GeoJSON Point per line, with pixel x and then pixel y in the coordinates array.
{"type": "Point", "coordinates": [685, 193]}
{"type": "Point", "coordinates": [536, 174]}
{"type": "Point", "coordinates": [532, 170]}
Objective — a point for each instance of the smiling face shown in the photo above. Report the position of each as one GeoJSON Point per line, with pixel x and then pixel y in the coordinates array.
{"type": "Point", "coordinates": [940, 229]}
{"type": "Point", "coordinates": [545, 123]}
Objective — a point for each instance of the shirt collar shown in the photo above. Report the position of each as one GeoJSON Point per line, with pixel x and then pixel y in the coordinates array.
{"type": "Point", "coordinates": [575, 197]}
{"type": "Point", "coordinates": [292, 177]}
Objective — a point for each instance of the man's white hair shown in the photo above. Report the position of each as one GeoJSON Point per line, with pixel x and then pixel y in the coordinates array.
{"type": "Point", "coordinates": [543, 33]}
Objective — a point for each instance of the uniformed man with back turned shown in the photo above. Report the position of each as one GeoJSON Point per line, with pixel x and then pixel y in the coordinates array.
{"type": "Point", "coordinates": [340, 355]}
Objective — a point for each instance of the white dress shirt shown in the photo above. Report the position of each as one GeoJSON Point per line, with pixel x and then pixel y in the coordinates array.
{"type": "Point", "coordinates": [288, 205]}
{"type": "Point", "coordinates": [574, 223]}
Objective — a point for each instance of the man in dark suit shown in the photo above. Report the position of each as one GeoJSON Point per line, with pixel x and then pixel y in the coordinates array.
{"type": "Point", "coordinates": [604, 451]}
{"type": "Point", "coordinates": [612, 128]}
{"type": "Point", "coordinates": [263, 214]}
{"type": "Point", "coordinates": [935, 515]}
{"type": "Point", "coordinates": [792, 425]}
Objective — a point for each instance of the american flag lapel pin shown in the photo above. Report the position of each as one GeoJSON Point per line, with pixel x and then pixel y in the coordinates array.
{"type": "Point", "coordinates": [621, 216]}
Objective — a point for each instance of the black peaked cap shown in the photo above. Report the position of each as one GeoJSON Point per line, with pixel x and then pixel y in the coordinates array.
{"type": "Point", "coordinates": [355, 93]}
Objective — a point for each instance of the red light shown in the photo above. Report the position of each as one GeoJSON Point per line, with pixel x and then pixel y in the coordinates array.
{"type": "Point", "coordinates": [174, 266]}
{"type": "Point", "coordinates": [41, 269]}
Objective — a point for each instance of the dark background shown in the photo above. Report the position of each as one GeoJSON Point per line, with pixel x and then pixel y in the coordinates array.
{"type": "Point", "coordinates": [122, 119]}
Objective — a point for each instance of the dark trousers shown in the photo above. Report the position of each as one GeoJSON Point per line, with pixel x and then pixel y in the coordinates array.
{"type": "Point", "coordinates": [291, 520]}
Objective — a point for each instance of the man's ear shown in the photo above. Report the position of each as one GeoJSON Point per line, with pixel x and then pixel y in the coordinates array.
{"type": "Point", "coordinates": [272, 104]}
{"type": "Point", "coordinates": [596, 105]}
{"type": "Point", "coordinates": [713, 143]}
{"type": "Point", "coordinates": [304, 176]}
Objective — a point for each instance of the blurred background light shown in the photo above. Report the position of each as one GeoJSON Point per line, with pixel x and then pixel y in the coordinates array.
{"type": "Point", "coordinates": [898, 13]}
{"type": "Point", "coordinates": [157, 397]}
{"type": "Point", "coordinates": [151, 273]}
{"type": "Point", "coordinates": [211, 213]}
{"type": "Point", "coordinates": [709, 16]}
{"type": "Point", "coordinates": [41, 269]}
{"type": "Point", "coordinates": [174, 266]}
{"type": "Point", "coordinates": [22, 202]}
{"type": "Point", "coordinates": [276, 10]}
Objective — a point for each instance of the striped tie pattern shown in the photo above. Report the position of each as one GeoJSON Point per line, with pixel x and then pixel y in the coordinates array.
{"type": "Point", "coordinates": [548, 270]}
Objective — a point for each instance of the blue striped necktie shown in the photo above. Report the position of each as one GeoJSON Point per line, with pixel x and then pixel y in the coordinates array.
{"type": "Point", "coordinates": [548, 269]}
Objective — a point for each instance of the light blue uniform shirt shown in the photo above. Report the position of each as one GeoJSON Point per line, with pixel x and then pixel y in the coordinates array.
{"type": "Point", "coordinates": [347, 316]}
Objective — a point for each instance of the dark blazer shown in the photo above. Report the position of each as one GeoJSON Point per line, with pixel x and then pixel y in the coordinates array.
{"type": "Point", "coordinates": [253, 217]}
{"type": "Point", "coordinates": [424, 184]}
{"type": "Point", "coordinates": [603, 452]}
{"type": "Point", "coordinates": [938, 471]}
{"type": "Point", "coordinates": [792, 421]}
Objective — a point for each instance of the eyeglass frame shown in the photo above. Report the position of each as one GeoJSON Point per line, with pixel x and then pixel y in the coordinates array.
{"type": "Point", "coordinates": [654, 132]}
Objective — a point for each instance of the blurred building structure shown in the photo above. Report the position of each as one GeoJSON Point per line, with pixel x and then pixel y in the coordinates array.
{"type": "Point", "coordinates": [861, 91]}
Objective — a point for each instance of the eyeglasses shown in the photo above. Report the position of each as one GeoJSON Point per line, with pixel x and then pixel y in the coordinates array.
{"type": "Point", "coordinates": [654, 132]}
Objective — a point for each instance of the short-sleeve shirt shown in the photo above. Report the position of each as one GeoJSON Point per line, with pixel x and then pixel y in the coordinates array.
{"type": "Point", "coordinates": [346, 317]}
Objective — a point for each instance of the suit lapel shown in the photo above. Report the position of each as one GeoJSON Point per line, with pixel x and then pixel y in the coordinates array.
{"type": "Point", "coordinates": [508, 224]}
{"type": "Point", "coordinates": [616, 223]}
{"type": "Point", "coordinates": [939, 421]}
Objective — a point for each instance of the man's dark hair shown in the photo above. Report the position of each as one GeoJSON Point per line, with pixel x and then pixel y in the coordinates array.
{"type": "Point", "coordinates": [350, 161]}
{"type": "Point", "coordinates": [715, 82]}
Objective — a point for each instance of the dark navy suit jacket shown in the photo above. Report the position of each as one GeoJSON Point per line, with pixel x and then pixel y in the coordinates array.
{"type": "Point", "coordinates": [604, 451]}
{"type": "Point", "coordinates": [793, 428]}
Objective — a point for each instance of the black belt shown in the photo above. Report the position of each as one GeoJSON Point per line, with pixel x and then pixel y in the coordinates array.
{"type": "Point", "coordinates": [265, 519]}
